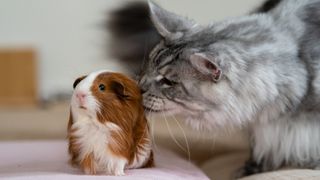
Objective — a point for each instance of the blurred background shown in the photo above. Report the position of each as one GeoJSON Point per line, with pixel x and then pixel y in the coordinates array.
{"type": "Point", "coordinates": [67, 37]}
{"type": "Point", "coordinates": [46, 44]}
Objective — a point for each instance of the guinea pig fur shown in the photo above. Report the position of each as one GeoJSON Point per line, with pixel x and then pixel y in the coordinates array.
{"type": "Point", "coordinates": [107, 129]}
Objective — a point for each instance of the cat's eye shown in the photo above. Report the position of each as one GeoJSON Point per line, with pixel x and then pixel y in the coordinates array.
{"type": "Point", "coordinates": [166, 82]}
{"type": "Point", "coordinates": [102, 87]}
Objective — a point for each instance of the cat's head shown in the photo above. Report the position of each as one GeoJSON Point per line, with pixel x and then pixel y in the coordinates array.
{"type": "Point", "coordinates": [207, 72]}
{"type": "Point", "coordinates": [171, 77]}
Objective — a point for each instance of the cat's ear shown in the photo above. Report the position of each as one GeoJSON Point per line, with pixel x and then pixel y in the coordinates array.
{"type": "Point", "coordinates": [169, 25]}
{"type": "Point", "coordinates": [206, 66]}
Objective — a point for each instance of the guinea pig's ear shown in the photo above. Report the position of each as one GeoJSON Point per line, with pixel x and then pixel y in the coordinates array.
{"type": "Point", "coordinates": [76, 82]}
{"type": "Point", "coordinates": [118, 89]}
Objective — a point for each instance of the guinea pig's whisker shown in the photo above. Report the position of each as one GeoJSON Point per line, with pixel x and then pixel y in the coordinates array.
{"type": "Point", "coordinates": [184, 135]}
{"type": "Point", "coordinates": [171, 134]}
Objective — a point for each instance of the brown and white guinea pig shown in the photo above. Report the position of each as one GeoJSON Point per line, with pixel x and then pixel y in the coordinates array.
{"type": "Point", "coordinates": [107, 130]}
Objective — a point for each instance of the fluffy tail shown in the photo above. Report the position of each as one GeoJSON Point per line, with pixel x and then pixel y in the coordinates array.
{"type": "Point", "coordinates": [132, 35]}
{"type": "Point", "coordinates": [267, 6]}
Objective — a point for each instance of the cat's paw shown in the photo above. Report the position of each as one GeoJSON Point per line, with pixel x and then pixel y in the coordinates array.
{"type": "Point", "coordinates": [248, 169]}
{"type": "Point", "coordinates": [313, 165]}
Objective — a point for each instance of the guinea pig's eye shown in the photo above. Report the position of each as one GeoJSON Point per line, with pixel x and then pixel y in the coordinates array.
{"type": "Point", "coordinates": [102, 87]}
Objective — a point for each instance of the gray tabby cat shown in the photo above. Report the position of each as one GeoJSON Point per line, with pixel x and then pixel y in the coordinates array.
{"type": "Point", "coordinates": [260, 70]}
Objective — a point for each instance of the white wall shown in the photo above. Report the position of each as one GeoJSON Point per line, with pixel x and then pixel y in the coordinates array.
{"type": "Point", "coordinates": [68, 38]}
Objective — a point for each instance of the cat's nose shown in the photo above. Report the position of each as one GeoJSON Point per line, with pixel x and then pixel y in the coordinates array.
{"type": "Point", "coordinates": [143, 91]}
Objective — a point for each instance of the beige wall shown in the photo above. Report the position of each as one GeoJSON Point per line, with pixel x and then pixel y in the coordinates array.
{"type": "Point", "coordinates": [68, 38]}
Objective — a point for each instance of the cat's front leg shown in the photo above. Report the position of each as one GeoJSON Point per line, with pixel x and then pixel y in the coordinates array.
{"type": "Point", "coordinates": [250, 167]}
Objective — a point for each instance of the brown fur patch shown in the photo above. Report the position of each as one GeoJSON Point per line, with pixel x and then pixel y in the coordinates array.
{"type": "Point", "coordinates": [87, 164]}
{"type": "Point", "coordinates": [127, 113]}
{"type": "Point", "coordinates": [74, 148]}
{"type": "Point", "coordinates": [150, 162]}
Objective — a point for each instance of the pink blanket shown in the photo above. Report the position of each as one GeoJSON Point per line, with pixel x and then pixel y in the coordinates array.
{"type": "Point", "coordinates": [48, 160]}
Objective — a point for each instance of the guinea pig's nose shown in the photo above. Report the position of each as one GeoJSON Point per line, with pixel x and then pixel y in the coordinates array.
{"type": "Point", "coordinates": [80, 96]}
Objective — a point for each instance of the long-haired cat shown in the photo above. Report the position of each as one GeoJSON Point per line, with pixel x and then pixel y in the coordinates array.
{"type": "Point", "coordinates": [260, 70]}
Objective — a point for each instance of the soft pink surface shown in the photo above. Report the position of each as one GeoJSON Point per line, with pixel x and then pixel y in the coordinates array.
{"type": "Point", "coordinates": [48, 160]}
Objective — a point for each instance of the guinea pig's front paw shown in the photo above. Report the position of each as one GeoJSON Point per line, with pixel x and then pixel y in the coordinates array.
{"type": "Point", "coordinates": [116, 168]}
{"type": "Point", "coordinates": [115, 172]}
{"type": "Point", "coordinates": [119, 172]}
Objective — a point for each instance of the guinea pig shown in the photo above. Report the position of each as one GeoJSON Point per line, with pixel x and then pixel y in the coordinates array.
{"type": "Point", "coordinates": [107, 130]}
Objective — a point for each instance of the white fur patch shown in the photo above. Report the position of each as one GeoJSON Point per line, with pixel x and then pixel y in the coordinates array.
{"type": "Point", "coordinates": [94, 138]}
{"type": "Point", "coordinates": [159, 77]}
{"type": "Point", "coordinates": [290, 140]}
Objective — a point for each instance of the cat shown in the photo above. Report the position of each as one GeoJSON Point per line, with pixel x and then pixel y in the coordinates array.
{"type": "Point", "coordinates": [130, 26]}
{"type": "Point", "coordinates": [260, 71]}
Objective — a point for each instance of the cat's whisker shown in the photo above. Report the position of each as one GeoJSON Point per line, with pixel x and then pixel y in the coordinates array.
{"type": "Point", "coordinates": [144, 131]}
{"type": "Point", "coordinates": [152, 133]}
{"type": "Point", "coordinates": [213, 143]}
{"type": "Point", "coordinates": [171, 134]}
{"type": "Point", "coordinates": [151, 121]}
{"type": "Point", "coordinates": [185, 137]}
